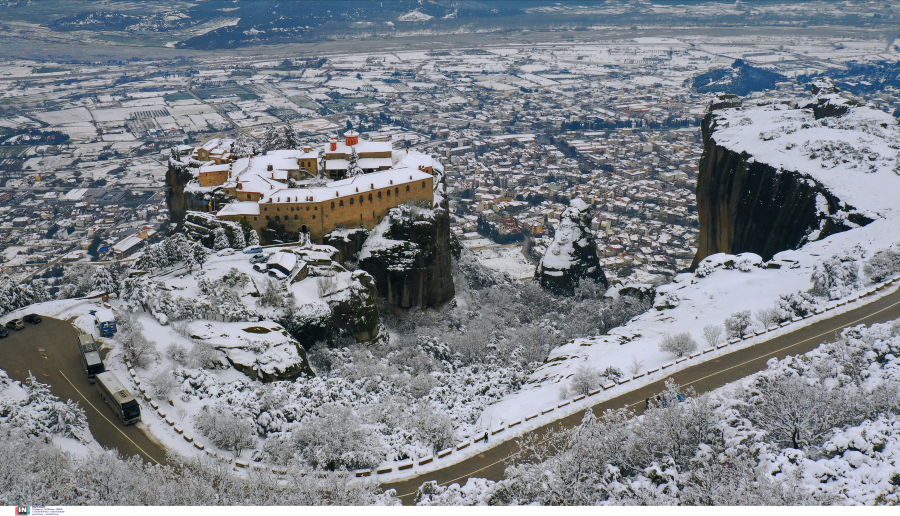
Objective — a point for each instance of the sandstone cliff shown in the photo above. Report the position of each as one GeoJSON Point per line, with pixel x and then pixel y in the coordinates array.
{"type": "Point", "coordinates": [179, 198]}
{"type": "Point", "coordinates": [776, 182]}
{"type": "Point", "coordinates": [409, 255]}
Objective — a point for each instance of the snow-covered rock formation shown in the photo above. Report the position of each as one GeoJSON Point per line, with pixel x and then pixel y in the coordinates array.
{"type": "Point", "coordinates": [573, 254]}
{"type": "Point", "coordinates": [777, 175]}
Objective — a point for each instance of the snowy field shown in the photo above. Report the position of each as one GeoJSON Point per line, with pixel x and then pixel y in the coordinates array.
{"type": "Point", "coordinates": [508, 259]}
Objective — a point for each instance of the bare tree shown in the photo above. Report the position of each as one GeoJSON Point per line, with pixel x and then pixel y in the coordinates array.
{"type": "Point", "coordinates": [226, 429]}
{"type": "Point", "coordinates": [712, 334]}
{"type": "Point", "coordinates": [679, 344]}
{"type": "Point", "coordinates": [635, 366]}
{"type": "Point", "coordinates": [767, 317]}
{"type": "Point", "coordinates": [585, 380]}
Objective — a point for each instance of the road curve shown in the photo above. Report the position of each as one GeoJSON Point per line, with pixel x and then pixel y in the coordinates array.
{"type": "Point", "coordinates": [702, 377]}
{"type": "Point", "coordinates": [50, 351]}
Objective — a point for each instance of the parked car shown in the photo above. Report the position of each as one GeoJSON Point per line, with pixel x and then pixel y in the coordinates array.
{"type": "Point", "coordinates": [3, 332]}
{"type": "Point", "coordinates": [253, 249]}
{"type": "Point", "coordinates": [260, 267]}
{"type": "Point", "coordinates": [32, 318]}
{"type": "Point", "coordinates": [226, 252]}
{"type": "Point", "coordinates": [15, 324]}
{"type": "Point", "coordinates": [259, 258]}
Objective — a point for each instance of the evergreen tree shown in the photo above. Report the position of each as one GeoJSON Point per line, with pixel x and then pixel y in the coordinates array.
{"type": "Point", "coordinates": [220, 239]}
{"type": "Point", "coordinates": [270, 139]}
{"type": "Point", "coordinates": [353, 169]}
{"type": "Point", "coordinates": [238, 241]}
{"type": "Point", "coordinates": [243, 146]}
{"type": "Point", "coordinates": [254, 237]}
{"type": "Point", "coordinates": [289, 137]}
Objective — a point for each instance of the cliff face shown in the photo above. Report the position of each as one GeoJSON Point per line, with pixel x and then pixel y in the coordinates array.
{"type": "Point", "coordinates": [746, 204]}
{"type": "Point", "coordinates": [409, 256]}
{"type": "Point", "coordinates": [180, 202]}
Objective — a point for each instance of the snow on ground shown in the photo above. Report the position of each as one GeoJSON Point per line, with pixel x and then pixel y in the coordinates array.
{"type": "Point", "coordinates": [508, 259]}
{"type": "Point", "coordinates": [692, 302]}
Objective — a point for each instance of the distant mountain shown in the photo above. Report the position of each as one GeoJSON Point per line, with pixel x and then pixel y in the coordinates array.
{"type": "Point", "coordinates": [741, 79]}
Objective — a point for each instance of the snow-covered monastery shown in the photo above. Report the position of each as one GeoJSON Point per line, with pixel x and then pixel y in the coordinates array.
{"type": "Point", "coordinates": [277, 188]}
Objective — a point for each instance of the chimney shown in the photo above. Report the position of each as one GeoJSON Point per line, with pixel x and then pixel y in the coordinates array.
{"type": "Point", "coordinates": [332, 140]}
{"type": "Point", "coordinates": [307, 149]}
{"type": "Point", "coordinates": [351, 138]}
{"type": "Point", "coordinates": [269, 167]}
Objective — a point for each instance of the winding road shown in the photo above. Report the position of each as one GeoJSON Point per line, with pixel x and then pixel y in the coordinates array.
{"type": "Point", "coordinates": [702, 377]}
{"type": "Point", "coordinates": [50, 351]}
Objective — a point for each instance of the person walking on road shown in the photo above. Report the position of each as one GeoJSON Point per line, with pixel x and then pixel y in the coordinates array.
{"type": "Point", "coordinates": [485, 437]}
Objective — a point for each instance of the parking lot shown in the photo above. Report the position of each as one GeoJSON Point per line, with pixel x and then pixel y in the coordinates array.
{"type": "Point", "coordinates": [49, 350]}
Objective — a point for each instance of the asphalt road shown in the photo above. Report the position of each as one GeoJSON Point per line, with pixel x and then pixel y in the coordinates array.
{"type": "Point", "coordinates": [703, 377]}
{"type": "Point", "coordinates": [50, 351]}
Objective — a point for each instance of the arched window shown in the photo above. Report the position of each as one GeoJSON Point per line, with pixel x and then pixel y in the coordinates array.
{"type": "Point", "coordinates": [423, 184]}
{"type": "Point", "coordinates": [407, 188]}
{"type": "Point", "coordinates": [360, 199]}
{"type": "Point", "coordinates": [389, 192]}
{"type": "Point", "coordinates": [396, 191]}
{"type": "Point", "coordinates": [248, 196]}
{"type": "Point", "coordinates": [379, 195]}
{"type": "Point", "coordinates": [277, 217]}
{"type": "Point", "coordinates": [296, 217]}
{"type": "Point", "coordinates": [314, 217]}
{"type": "Point", "coordinates": [332, 205]}
{"type": "Point", "coordinates": [370, 197]}
{"type": "Point", "coordinates": [351, 201]}
{"type": "Point", "coordinates": [341, 202]}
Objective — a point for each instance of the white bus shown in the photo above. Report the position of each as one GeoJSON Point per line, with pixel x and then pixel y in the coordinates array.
{"type": "Point", "coordinates": [118, 398]}
{"type": "Point", "coordinates": [90, 356]}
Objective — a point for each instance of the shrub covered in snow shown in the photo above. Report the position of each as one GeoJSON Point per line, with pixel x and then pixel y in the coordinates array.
{"type": "Point", "coordinates": [737, 323]}
{"type": "Point", "coordinates": [39, 413]}
{"type": "Point", "coordinates": [225, 428]}
{"type": "Point", "coordinates": [819, 429]}
{"type": "Point", "coordinates": [46, 475]}
{"type": "Point", "coordinates": [679, 344]}
{"type": "Point", "coordinates": [882, 265]}
{"type": "Point", "coordinates": [837, 276]}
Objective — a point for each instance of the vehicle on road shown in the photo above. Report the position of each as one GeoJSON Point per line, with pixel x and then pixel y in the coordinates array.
{"type": "Point", "coordinates": [3, 332]}
{"type": "Point", "coordinates": [226, 252]}
{"type": "Point", "coordinates": [32, 318]}
{"type": "Point", "coordinates": [90, 356]}
{"type": "Point", "coordinates": [253, 249]}
{"type": "Point", "coordinates": [118, 398]}
{"type": "Point", "coordinates": [105, 321]}
{"type": "Point", "coordinates": [15, 324]}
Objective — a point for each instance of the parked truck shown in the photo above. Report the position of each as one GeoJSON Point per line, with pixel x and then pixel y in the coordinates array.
{"type": "Point", "coordinates": [90, 356]}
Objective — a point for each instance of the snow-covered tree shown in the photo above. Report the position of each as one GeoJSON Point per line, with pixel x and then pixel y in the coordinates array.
{"type": "Point", "coordinates": [767, 317]}
{"type": "Point", "coordinates": [270, 139]}
{"type": "Point", "coordinates": [353, 168]}
{"type": "Point", "coordinates": [679, 344]}
{"type": "Point", "coordinates": [337, 440]}
{"type": "Point", "coordinates": [243, 146]}
{"type": "Point", "coordinates": [163, 382]}
{"type": "Point", "coordinates": [135, 346]}
{"type": "Point", "coordinates": [585, 380]}
{"type": "Point", "coordinates": [434, 427]}
{"type": "Point", "coordinates": [237, 241]}
{"type": "Point", "coordinates": [837, 276]}
{"type": "Point", "coordinates": [254, 238]}
{"type": "Point", "coordinates": [225, 428]}
{"type": "Point", "coordinates": [712, 334]}
{"type": "Point", "coordinates": [737, 323]}
{"type": "Point", "coordinates": [220, 239]}
{"type": "Point", "coordinates": [289, 137]}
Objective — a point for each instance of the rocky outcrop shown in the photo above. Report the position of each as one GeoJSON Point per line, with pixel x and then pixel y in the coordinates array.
{"type": "Point", "coordinates": [179, 198]}
{"type": "Point", "coordinates": [409, 255]}
{"type": "Point", "coordinates": [745, 204]}
{"type": "Point", "coordinates": [354, 306]}
{"type": "Point", "coordinates": [572, 256]}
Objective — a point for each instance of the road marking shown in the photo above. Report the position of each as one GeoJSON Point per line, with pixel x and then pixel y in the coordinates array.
{"type": "Point", "coordinates": [467, 475]}
{"type": "Point", "coordinates": [107, 420]}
